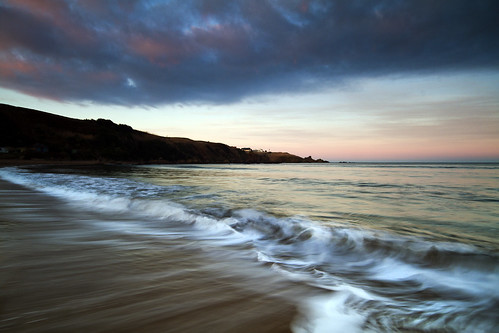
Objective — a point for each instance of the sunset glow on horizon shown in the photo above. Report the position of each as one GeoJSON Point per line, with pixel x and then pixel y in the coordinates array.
{"type": "Point", "coordinates": [383, 81]}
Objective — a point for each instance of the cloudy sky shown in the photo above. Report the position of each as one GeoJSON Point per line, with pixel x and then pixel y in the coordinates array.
{"type": "Point", "coordinates": [340, 80]}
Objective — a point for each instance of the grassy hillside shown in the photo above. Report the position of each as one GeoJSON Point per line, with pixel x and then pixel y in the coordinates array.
{"type": "Point", "coordinates": [35, 135]}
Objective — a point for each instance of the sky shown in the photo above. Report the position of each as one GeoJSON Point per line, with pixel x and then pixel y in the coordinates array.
{"type": "Point", "coordinates": [342, 80]}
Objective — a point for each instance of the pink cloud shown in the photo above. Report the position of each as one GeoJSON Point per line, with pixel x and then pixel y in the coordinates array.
{"type": "Point", "coordinates": [59, 15]}
{"type": "Point", "coordinates": [13, 67]}
{"type": "Point", "coordinates": [103, 76]}
{"type": "Point", "coordinates": [162, 52]}
{"type": "Point", "coordinates": [40, 7]}
{"type": "Point", "coordinates": [304, 6]}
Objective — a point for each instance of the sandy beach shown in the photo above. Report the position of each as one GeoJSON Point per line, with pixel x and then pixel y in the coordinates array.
{"type": "Point", "coordinates": [61, 273]}
{"type": "Point", "coordinates": [249, 248]}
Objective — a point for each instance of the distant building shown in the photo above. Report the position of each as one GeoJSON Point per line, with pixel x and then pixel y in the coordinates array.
{"type": "Point", "coordinates": [248, 150]}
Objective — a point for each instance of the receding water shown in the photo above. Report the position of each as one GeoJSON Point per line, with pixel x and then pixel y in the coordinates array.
{"type": "Point", "coordinates": [357, 247]}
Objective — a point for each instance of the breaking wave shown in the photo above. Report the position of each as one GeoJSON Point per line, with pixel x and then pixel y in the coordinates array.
{"type": "Point", "coordinates": [370, 280]}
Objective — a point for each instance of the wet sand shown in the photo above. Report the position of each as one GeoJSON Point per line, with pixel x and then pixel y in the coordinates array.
{"type": "Point", "coordinates": [61, 271]}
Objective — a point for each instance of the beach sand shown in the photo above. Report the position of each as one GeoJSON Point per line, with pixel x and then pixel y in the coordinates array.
{"type": "Point", "coordinates": [62, 271]}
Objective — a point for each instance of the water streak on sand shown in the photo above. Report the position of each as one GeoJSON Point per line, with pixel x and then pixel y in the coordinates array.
{"type": "Point", "coordinates": [361, 248]}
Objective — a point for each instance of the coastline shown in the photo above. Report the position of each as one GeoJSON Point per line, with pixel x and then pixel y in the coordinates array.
{"type": "Point", "coordinates": [21, 162]}
{"type": "Point", "coordinates": [60, 272]}
{"type": "Point", "coordinates": [32, 135]}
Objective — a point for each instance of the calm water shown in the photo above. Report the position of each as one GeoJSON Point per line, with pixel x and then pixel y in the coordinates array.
{"type": "Point", "coordinates": [386, 247]}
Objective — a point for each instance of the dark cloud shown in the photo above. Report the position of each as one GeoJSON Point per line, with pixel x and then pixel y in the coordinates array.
{"type": "Point", "coordinates": [155, 52]}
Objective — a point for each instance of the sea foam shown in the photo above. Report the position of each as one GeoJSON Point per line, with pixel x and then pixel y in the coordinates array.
{"type": "Point", "coordinates": [364, 273]}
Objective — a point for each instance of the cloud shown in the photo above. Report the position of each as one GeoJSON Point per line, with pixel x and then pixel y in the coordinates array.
{"type": "Point", "coordinates": [188, 51]}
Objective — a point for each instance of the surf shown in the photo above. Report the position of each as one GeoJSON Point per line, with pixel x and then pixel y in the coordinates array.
{"type": "Point", "coordinates": [371, 280]}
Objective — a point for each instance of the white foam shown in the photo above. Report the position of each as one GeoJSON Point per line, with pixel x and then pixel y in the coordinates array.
{"type": "Point", "coordinates": [469, 282]}
{"type": "Point", "coordinates": [329, 314]}
{"type": "Point", "coordinates": [296, 247]}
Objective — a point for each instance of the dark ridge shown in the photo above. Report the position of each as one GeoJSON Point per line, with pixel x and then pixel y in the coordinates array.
{"type": "Point", "coordinates": [36, 136]}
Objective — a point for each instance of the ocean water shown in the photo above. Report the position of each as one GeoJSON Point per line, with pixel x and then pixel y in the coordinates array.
{"type": "Point", "coordinates": [380, 247]}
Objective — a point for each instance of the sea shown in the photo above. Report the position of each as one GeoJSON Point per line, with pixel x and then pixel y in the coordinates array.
{"type": "Point", "coordinates": [354, 247]}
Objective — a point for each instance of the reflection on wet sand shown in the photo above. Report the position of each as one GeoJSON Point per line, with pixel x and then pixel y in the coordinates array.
{"type": "Point", "coordinates": [60, 273]}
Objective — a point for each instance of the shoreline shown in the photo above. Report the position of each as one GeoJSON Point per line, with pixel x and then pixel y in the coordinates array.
{"type": "Point", "coordinates": [60, 272]}
{"type": "Point", "coordinates": [21, 162]}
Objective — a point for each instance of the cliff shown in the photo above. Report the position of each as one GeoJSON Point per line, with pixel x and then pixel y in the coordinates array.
{"type": "Point", "coordinates": [27, 134]}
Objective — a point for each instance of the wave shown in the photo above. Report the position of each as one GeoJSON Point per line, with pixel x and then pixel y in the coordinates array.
{"type": "Point", "coordinates": [371, 280]}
